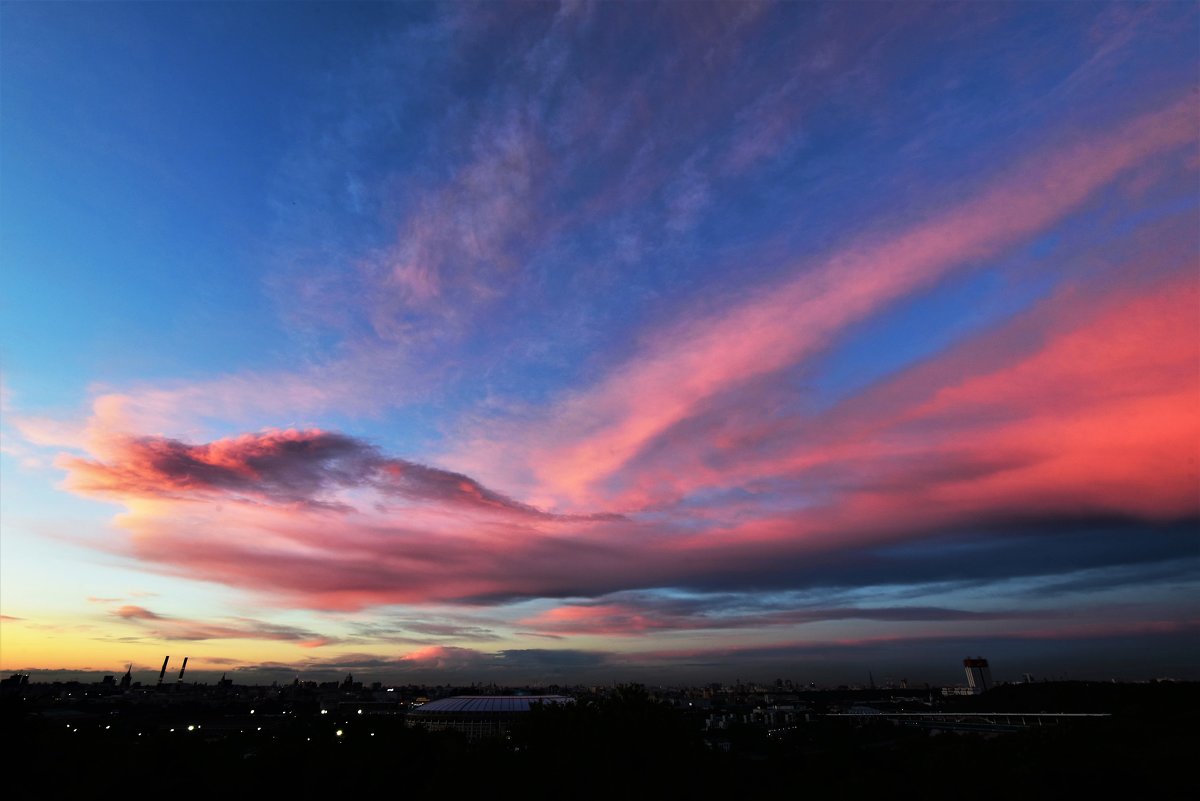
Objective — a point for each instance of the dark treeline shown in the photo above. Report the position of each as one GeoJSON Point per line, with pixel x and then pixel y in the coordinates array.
{"type": "Point", "coordinates": [624, 745]}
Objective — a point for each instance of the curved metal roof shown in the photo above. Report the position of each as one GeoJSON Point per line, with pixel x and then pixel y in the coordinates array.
{"type": "Point", "coordinates": [485, 704]}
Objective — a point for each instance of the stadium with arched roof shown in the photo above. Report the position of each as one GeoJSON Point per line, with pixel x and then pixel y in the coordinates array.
{"type": "Point", "coordinates": [479, 716]}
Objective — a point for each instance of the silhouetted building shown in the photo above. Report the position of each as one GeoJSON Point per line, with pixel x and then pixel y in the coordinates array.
{"type": "Point", "coordinates": [979, 675]}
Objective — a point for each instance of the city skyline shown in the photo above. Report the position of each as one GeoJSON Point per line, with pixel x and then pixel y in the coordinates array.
{"type": "Point", "coordinates": [537, 342]}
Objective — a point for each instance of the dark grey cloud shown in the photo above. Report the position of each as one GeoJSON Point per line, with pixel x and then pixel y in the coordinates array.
{"type": "Point", "coordinates": [166, 627]}
{"type": "Point", "coordinates": [1014, 548]}
{"type": "Point", "coordinates": [639, 613]}
{"type": "Point", "coordinates": [429, 630]}
{"type": "Point", "coordinates": [1136, 652]}
{"type": "Point", "coordinates": [553, 660]}
{"type": "Point", "coordinates": [462, 664]}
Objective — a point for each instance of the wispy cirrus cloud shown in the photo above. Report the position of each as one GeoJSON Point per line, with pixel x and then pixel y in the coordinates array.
{"type": "Point", "coordinates": [410, 243]}
{"type": "Point", "coordinates": [593, 433]}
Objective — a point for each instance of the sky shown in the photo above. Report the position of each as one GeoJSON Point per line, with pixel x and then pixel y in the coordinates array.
{"type": "Point", "coordinates": [584, 342]}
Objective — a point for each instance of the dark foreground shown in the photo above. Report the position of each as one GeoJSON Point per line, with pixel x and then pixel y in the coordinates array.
{"type": "Point", "coordinates": [622, 746]}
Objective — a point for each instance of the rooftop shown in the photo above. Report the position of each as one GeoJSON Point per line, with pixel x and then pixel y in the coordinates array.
{"type": "Point", "coordinates": [490, 703]}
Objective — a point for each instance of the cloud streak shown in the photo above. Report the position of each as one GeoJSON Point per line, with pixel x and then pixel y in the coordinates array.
{"type": "Point", "coordinates": [599, 430]}
{"type": "Point", "coordinates": [164, 627]}
{"type": "Point", "coordinates": [624, 619]}
{"type": "Point", "coordinates": [280, 467]}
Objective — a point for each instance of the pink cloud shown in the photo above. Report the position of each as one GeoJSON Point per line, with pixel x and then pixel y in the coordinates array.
{"type": "Point", "coordinates": [597, 619]}
{"type": "Point", "coordinates": [286, 467]}
{"type": "Point", "coordinates": [136, 613]}
{"type": "Point", "coordinates": [592, 434]}
{"type": "Point", "coordinates": [318, 642]}
{"type": "Point", "coordinates": [459, 247]}
{"type": "Point", "coordinates": [319, 558]}
{"type": "Point", "coordinates": [1052, 398]}
{"type": "Point", "coordinates": [443, 657]}
{"type": "Point", "coordinates": [1097, 419]}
